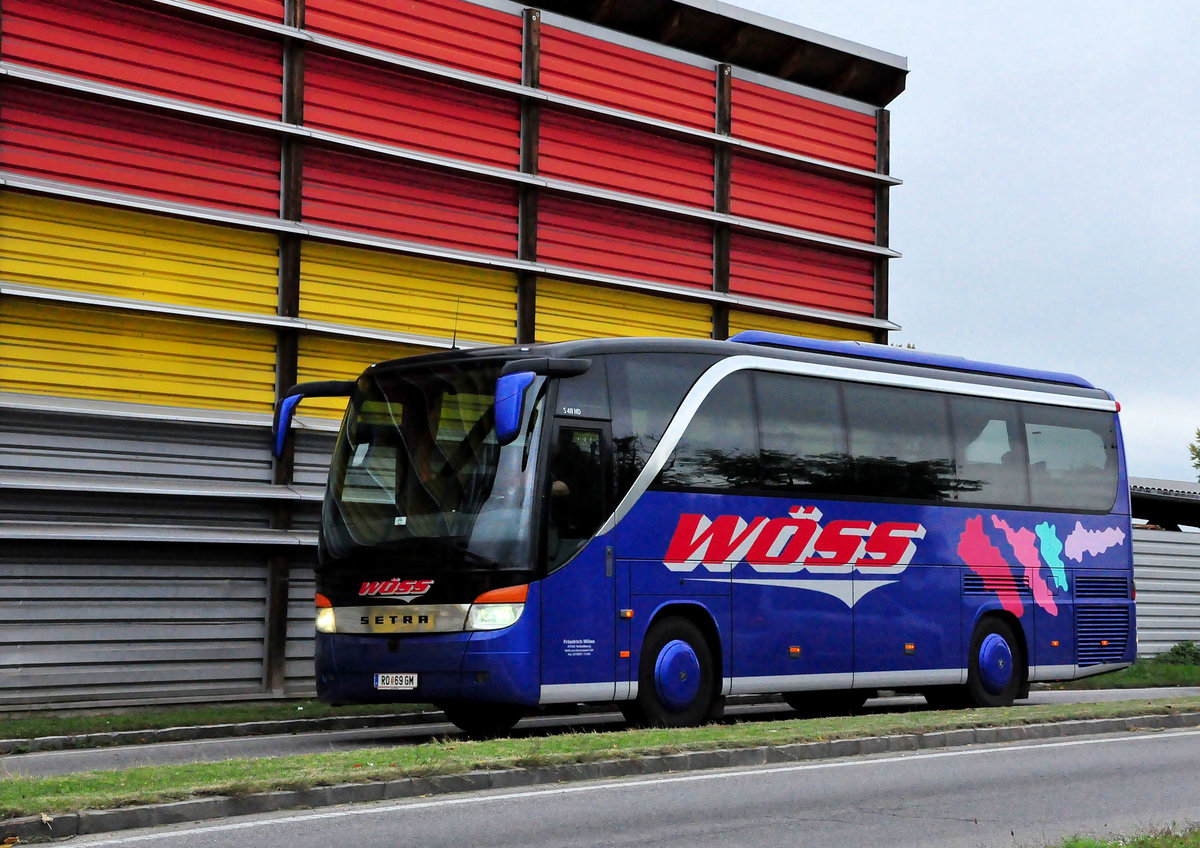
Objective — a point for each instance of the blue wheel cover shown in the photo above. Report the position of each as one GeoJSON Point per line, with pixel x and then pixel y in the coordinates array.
{"type": "Point", "coordinates": [995, 663]}
{"type": "Point", "coordinates": [677, 675]}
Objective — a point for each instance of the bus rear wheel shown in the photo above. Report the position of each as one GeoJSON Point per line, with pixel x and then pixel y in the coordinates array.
{"type": "Point", "coordinates": [995, 665]}
{"type": "Point", "coordinates": [480, 720]}
{"type": "Point", "coordinates": [675, 677]}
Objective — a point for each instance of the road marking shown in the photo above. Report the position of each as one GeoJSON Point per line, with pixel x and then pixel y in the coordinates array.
{"type": "Point", "coordinates": [374, 807]}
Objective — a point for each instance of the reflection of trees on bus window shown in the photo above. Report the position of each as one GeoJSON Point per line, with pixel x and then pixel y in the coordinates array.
{"type": "Point", "coordinates": [576, 502]}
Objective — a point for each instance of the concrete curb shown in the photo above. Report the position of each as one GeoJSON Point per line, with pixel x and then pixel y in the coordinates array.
{"type": "Point", "coordinates": [154, 815]}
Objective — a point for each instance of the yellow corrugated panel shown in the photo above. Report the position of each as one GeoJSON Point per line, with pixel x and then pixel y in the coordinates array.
{"type": "Point", "coordinates": [366, 288]}
{"type": "Point", "coordinates": [739, 321]}
{"type": "Point", "coordinates": [573, 311]}
{"type": "Point", "coordinates": [329, 358]}
{"type": "Point", "coordinates": [76, 247]}
{"type": "Point", "coordinates": [99, 354]}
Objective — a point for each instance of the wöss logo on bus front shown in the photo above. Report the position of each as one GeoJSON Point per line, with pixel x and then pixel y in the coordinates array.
{"type": "Point", "coordinates": [402, 590]}
{"type": "Point", "coordinates": [797, 542]}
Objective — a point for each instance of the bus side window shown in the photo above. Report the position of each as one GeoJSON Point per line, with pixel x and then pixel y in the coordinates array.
{"type": "Point", "coordinates": [803, 437]}
{"type": "Point", "coordinates": [719, 448]}
{"type": "Point", "coordinates": [1072, 458]}
{"type": "Point", "coordinates": [989, 455]}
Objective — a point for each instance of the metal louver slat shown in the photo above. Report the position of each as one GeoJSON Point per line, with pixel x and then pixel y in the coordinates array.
{"type": "Point", "coordinates": [142, 47]}
{"type": "Point", "coordinates": [108, 355]}
{"type": "Point", "coordinates": [126, 623]}
{"type": "Point", "coordinates": [450, 32]}
{"type": "Point", "coordinates": [625, 242]}
{"type": "Point", "coordinates": [83, 248]}
{"type": "Point", "coordinates": [780, 194]}
{"type": "Point", "coordinates": [785, 120]}
{"type": "Point", "coordinates": [571, 311]}
{"type": "Point", "coordinates": [625, 159]}
{"type": "Point", "coordinates": [99, 144]}
{"type": "Point", "coordinates": [384, 105]}
{"type": "Point", "coordinates": [364, 288]}
{"type": "Point", "coordinates": [363, 193]}
{"type": "Point", "coordinates": [805, 276]}
{"type": "Point", "coordinates": [628, 79]}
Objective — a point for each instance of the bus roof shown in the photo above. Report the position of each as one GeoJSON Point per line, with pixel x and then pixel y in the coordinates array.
{"type": "Point", "coordinates": [897, 354]}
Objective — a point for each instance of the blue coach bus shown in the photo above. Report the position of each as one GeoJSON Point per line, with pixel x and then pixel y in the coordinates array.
{"type": "Point", "coordinates": [662, 523]}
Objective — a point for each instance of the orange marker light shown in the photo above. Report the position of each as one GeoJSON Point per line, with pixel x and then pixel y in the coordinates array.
{"type": "Point", "coordinates": [793, 650]}
{"type": "Point", "coordinates": [507, 595]}
{"type": "Point", "coordinates": [323, 602]}
{"type": "Point", "coordinates": [626, 614]}
{"type": "Point", "coordinates": [624, 655]}
{"type": "Point", "coordinates": [1054, 643]}
{"type": "Point", "coordinates": [1104, 643]}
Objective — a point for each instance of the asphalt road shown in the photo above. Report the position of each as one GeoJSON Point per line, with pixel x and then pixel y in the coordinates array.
{"type": "Point", "coordinates": [1025, 794]}
{"type": "Point", "coordinates": [46, 763]}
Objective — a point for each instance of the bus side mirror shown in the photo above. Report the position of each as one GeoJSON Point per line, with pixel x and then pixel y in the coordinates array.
{"type": "Point", "coordinates": [285, 410]}
{"type": "Point", "coordinates": [510, 401]}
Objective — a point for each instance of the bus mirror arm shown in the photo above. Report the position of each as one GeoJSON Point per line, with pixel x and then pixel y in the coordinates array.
{"type": "Point", "coordinates": [548, 366]}
{"type": "Point", "coordinates": [285, 409]}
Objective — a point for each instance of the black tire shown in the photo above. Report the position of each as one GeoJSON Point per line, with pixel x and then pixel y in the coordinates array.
{"type": "Point", "coordinates": [480, 720]}
{"type": "Point", "coordinates": [676, 681]}
{"type": "Point", "coordinates": [996, 670]}
{"type": "Point", "coordinates": [826, 702]}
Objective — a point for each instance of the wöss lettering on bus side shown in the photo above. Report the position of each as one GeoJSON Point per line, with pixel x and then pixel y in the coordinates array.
{"type": "Point", "coordinates": [795, 542]}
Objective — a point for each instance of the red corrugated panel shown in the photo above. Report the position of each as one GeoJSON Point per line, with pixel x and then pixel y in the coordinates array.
{"type": "Point", "coordinates": [397, 108]}
{"type": "Point", "coordinates": [794, 123]}
{"type": "Point", "coordinates": [628, 79]}
{"type": "Point", "coordinates": [449, 32]}
{"type": "Point", "coordinates": [379, 196]}
{"type": "Point", "coordinates": [779, 193]}
{"type": "Point", "coordinates": [625, 159]}
{"type": "Point", "coordinates": [100, 144]}
{"type": "Point", "coordinates": [141, 48]}
{"type": "Point", "coordinates": [624, 242]}
{"type": "Point", "coordinates": [272, 10]}
{"type": "Point", "coordinates": [805, 276]}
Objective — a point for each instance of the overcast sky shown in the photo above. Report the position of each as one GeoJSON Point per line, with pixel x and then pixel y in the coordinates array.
{"type": "Point", "coordinates": [1049, 216]}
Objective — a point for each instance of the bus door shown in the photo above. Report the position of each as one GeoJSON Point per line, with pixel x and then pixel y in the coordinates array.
{"type": "Point", "coordinates": [579, 619]}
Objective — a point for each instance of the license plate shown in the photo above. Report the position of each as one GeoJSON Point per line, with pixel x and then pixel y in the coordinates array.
{"type": "Point", "coordinates": [395, 681]}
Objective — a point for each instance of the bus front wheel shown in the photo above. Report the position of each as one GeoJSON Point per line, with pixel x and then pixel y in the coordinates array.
{"type": "Point", "coordinates": [675, 677]}
{"type": "Point", "coordinates": [995, 665]}
{"type": "Point", "coordinates": [481, 720]}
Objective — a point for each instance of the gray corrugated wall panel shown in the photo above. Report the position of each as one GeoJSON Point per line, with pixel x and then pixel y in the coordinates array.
{"type": "Point", "coordinates": [298, 666]}
{"type": "Point", "coordinates": [312, 451]}
{"type": "Point", "coordinates": [1166, 566]}
{"type": "Point", "coordinates": [132, 622]}
{"type": "Point", "coordinates": [51, 441]}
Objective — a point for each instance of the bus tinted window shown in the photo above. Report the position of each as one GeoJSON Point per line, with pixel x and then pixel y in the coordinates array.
{"type": "Point", "coordinates": [803, 440]}
{"type": "Point", "coordinates": [988, 452]}
{"type": "Point", "coordinates": [646, 389]}
{"type": "Point", "coordinates": [1072, 457]}
{"type": "Point", "coordinates": [719, 449]}
{"type": "Point", "coordinates": [899, 443]}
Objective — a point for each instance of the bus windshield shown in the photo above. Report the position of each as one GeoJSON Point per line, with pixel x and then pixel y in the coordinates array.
{"type": "Point", "coordinates": [417, 471]}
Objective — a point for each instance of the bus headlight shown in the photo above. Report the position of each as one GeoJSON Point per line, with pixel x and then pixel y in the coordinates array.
{"type": "Point", "coordinates": [497, 609]}
{"type": "Point", "coordinates": [326, 622]}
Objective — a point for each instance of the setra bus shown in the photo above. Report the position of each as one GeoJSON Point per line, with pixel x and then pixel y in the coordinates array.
{"type": "Point", "coordinates": [662, 523]}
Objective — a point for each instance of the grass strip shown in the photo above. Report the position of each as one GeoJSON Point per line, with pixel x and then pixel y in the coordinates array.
{"type": "Point", "coordinates": [32, 726]}
{"type": "Point", "coordinates": [1186, 838]}
{"type": "Point", "coordinates": [154, 784]}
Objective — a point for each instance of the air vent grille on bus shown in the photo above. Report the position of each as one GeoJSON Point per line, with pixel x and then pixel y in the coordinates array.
{"type": "Point", "coordinates": [1101, 633]}
{"type": "Point", "coordinates": [973, 584]}
{"type": "Point", "coordinates": [1089, 586]}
